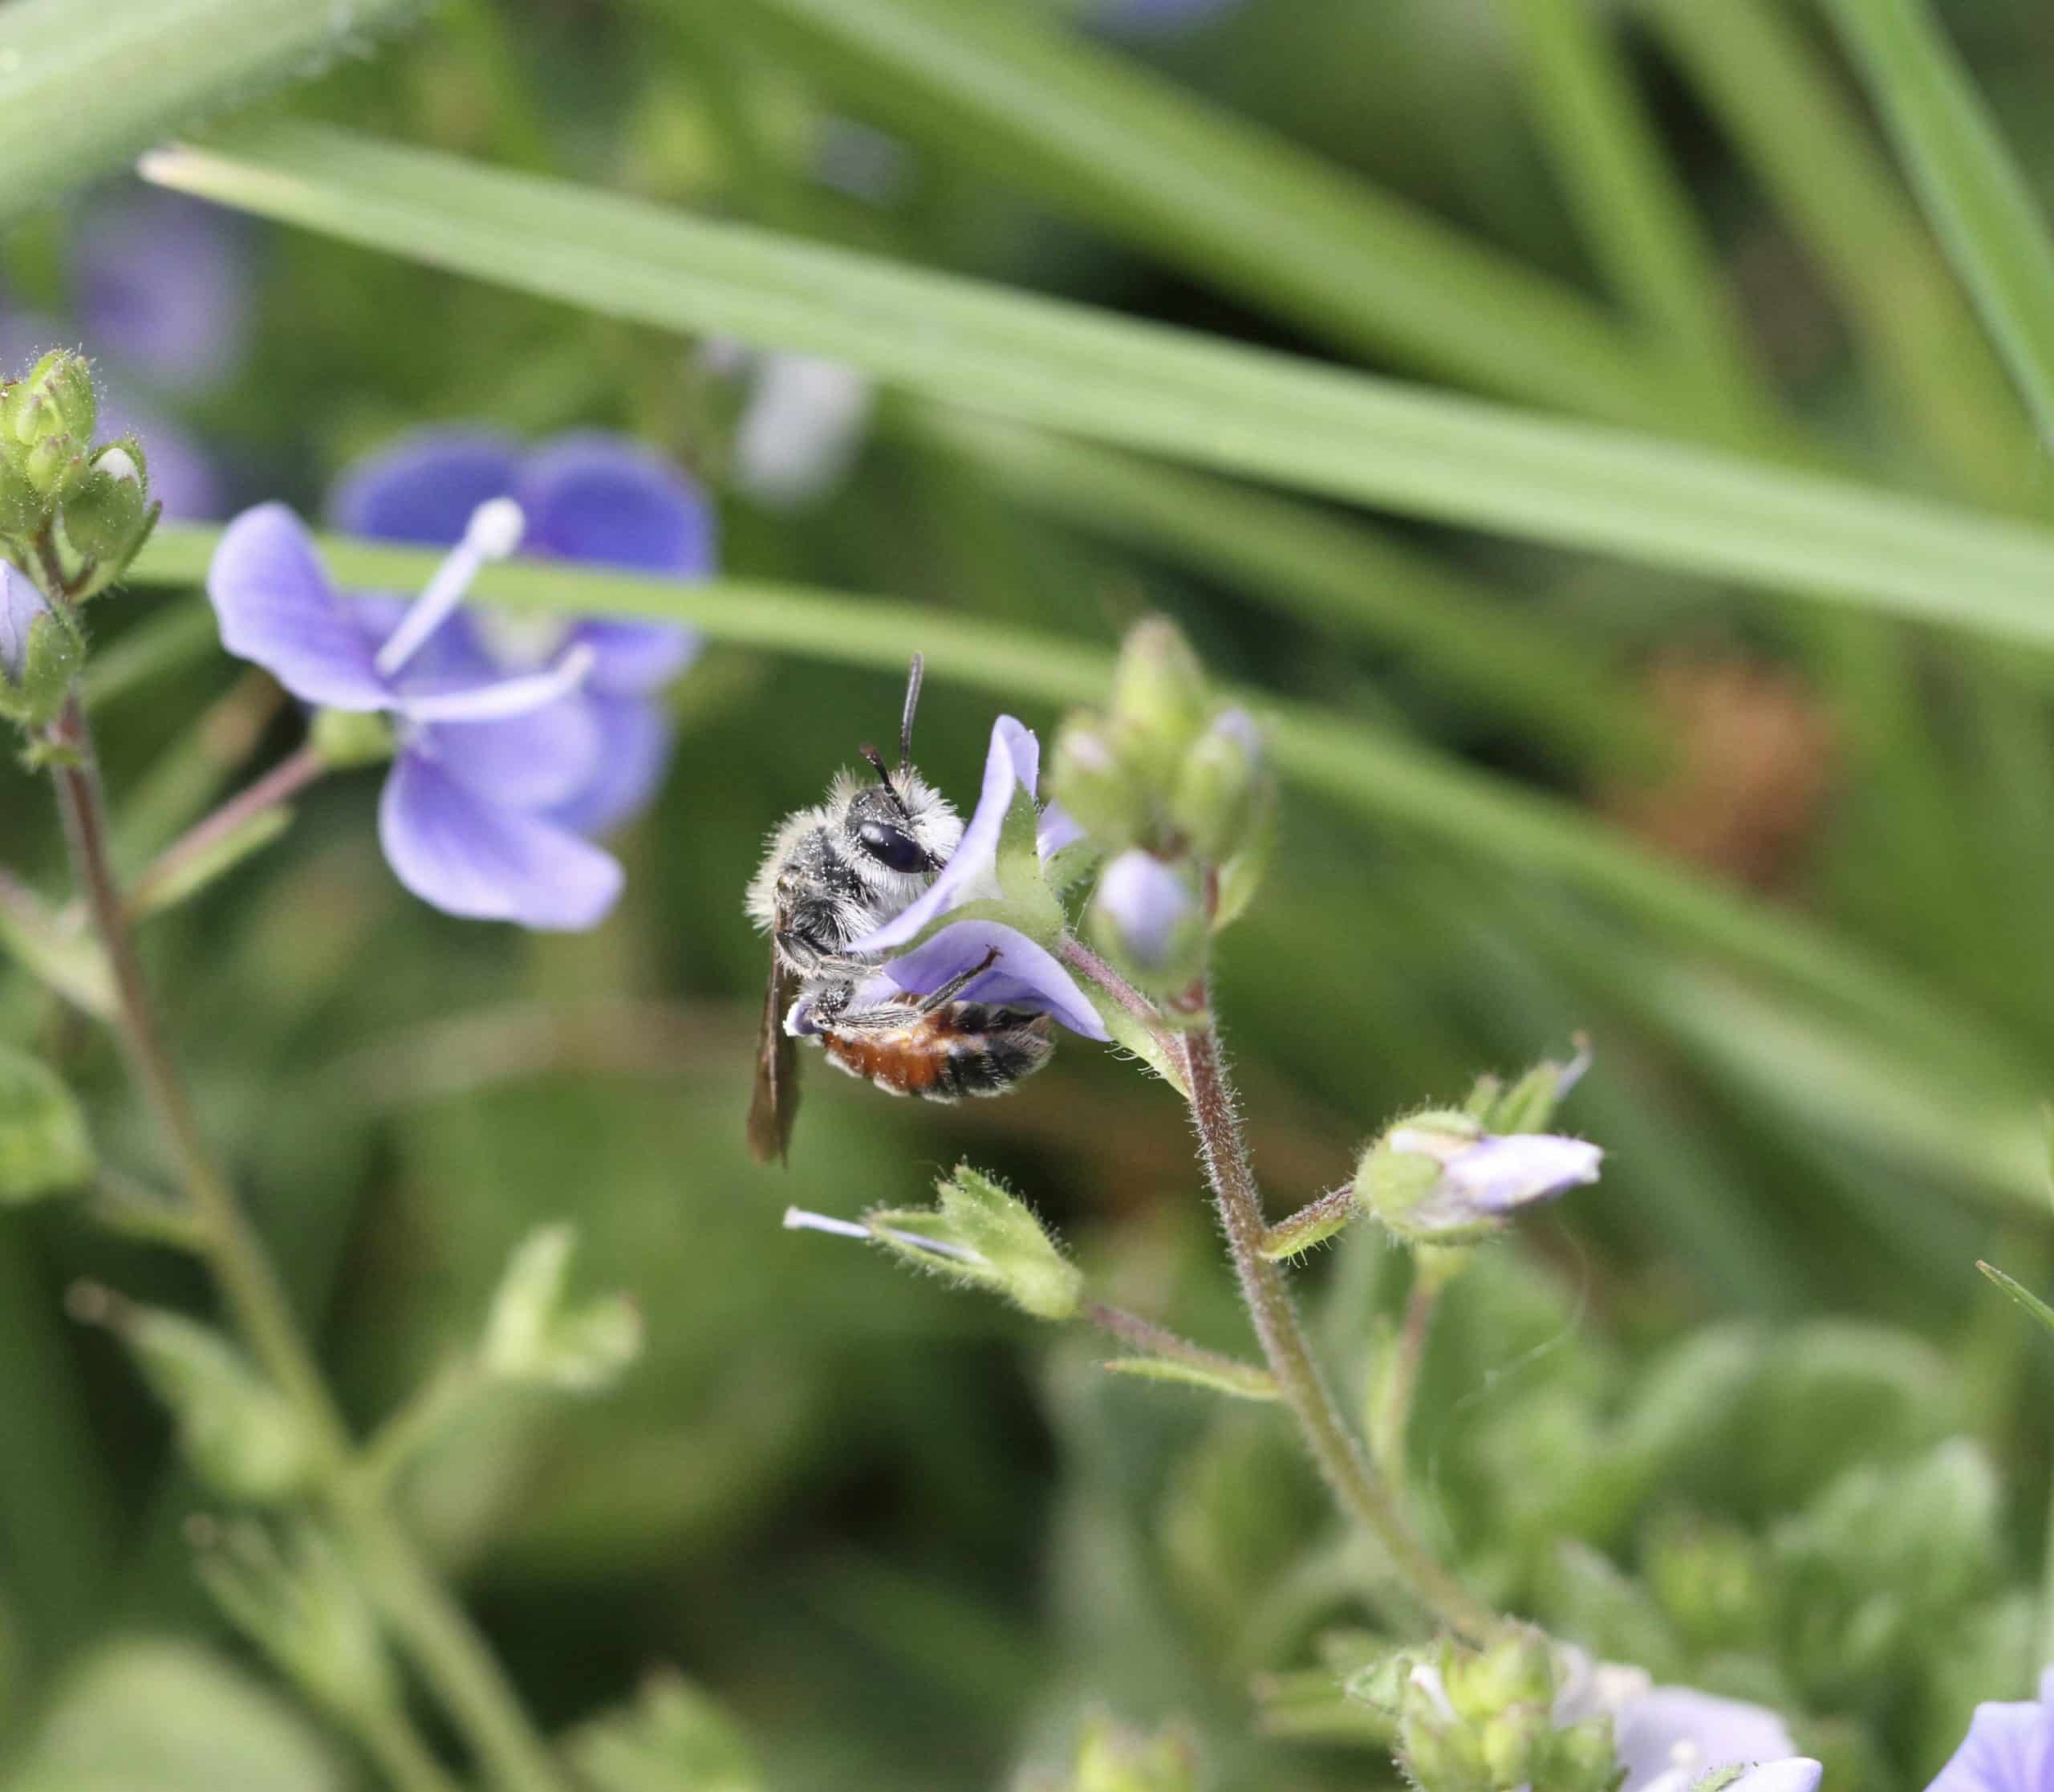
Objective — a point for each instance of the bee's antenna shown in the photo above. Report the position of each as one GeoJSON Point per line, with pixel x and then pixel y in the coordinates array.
{"type": "Point", "coordinates": [877, 765]}
{"type": "Point", "coordinates": [913, 677]}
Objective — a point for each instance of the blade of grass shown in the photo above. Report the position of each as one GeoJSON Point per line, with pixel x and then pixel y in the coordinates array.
{"type": "Point", "coordinates": [1974, 193]}
{"type": "Point", "coordinates": [84, 87]}
{"type": "Point", "coordinates": [1632, 212]}
{"type": "Point", "coordinates": [1096, 136]}
{"type": "Point", "coordinates": [1346, 578]}
{"type": "Point", "coordinates": [1455, 459]}
{"type": "Point", "coordinates": [2031, 1302]}
{"type": "Point", "coordinates": [1775, 94]}
{"type": "Point", "coordinates": [1385, 781]}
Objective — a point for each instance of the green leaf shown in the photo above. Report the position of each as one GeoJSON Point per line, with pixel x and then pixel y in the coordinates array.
{"type": "Point", "coordinates": [84, 87]}
{"type": "Point", "coordinates": [1095, 134]}
{"type": "Point", "coordinates": [673, 1738]}
{"type": "Point", "coordinates": [174, 1718]}
{"type": "Point", "coordinates": [1254, 411]}
{"type": "Point", "coordinates": [44, 1146]}
{"type": "Point", "coordinates": [70, 961]}
{"type": "Point", "coordinates": [2032, 1302]}
{"type": "Point", "coordinates": [1240, 1381]}
{"type": "Point", "coordinates": [1972, 187]}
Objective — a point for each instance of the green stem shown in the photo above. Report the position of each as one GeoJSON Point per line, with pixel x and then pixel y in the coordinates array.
{"type": "Point", "coordinates": [404, 1760]}
{"type": "Point", "coordinates": [450, 1654]}
{"type": "Point", "coordinates": [402, 1437]}
{"type": "Point", "coordinates": [1393, 1415]}
{"type": "Point", "coordinates": [283, 782]}
{"type": "Point", "coordinates": [1356, 1485]}
{"type": "Point", "coordinates": [1152, 1340]}
{"type": "Point", "coordinates": [1313, 1223]}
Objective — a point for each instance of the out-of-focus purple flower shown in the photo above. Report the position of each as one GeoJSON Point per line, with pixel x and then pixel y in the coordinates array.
{"type": "Point", "coordinates": [483, 761]}
{"type": "Point", "coordinates": [22, 608]}
{"type": "Point", "coordinates": [589, 496]}
{"type": "Point", "coordinates": [1670, 1737]}
{"type": "Point", "coordinates": [1024, 975]}
{"type": "Point", "coordinates": [1159, 18]}
{"type": "Point", "coordinates": [1440, 1176]}
{"type": "Point", "coordinates": [2009, 1747]}
{"type": "Point", "coordinates": [161, 286]}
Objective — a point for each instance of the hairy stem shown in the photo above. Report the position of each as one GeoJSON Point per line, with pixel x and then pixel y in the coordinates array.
{"type": "Point", "coordinates": [1151, 1339]}
{"type": "Point", "coordinates": [283, 782]}
{"type": "Point", "coordinates": [451, 1655]}
{"type": "Point", "coordinates": [1360, 1490]}
{"type": "Point", "coordinates": [1312, 1224]}
{"type": "Point", "coordinates": [1393, 1417]}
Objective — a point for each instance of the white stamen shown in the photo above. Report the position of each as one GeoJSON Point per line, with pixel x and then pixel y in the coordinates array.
{"type": "Point", "coordinates": [493, 533]}
{"type": "Point", "coordinates": [511, 696]}
{"type": "Point", "coordinates": [798, 1219]}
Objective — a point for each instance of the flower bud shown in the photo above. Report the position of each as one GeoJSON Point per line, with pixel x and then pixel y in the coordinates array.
{"type": "Point", "coordinates": [55, 398]}
{"type": "Point", "coordinates": [1516, 1668]}
{"type": "Point", "coordinates": [44, 1148]}
{"type": "Point", "coordinates": [1438, 1750]}
{"type": "Point", "coordinates": [103, 518]}
{"type": "Point", "coordinates": [241, 1436]}
{"type": "Point", "coordinates": [1093, 783]}
{"type": "Point", "coordinates": [1147, 918]}
{"type": "Point", "coordinates": [984, 1235]}
{"type": "Point", "coordinates": [1439, 1178]}
{"type": "Point", "coordinates": [1113, 1758]}
{"type": "Point", "coordinates": [1159, 700]}
{"type": "Point", "coordinates": [532, 1336]}
{"type": "Point", "coordinates": [40, 652]}
{"type": "Point", "coordinates": [1218, 796]}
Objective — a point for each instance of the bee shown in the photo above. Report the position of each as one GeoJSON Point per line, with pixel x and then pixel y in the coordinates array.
{"type": "Point", "coordinates": [833, 874]}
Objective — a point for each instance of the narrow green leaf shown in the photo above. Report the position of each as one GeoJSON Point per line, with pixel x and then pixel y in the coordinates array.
{"type": "Point", "coordinates": [1240, 1381]}
{"type": "Point", "coordinates": [1348, 435]}
{"type": "Point", "coordinates": [69, 961]}
{"type": "Point", "coordinates": [1094, 133]}
{"type": "Point", "coordinates": [83, 87]}
{"type": "Point", "coordinates": [1973, 190]}
{"type": "Point", "coordinates": [1386, 780]}
{"type": "Point", "coordinates": [44, 1146]}
{"type": "Point", "coordinates": [2032, 1302]}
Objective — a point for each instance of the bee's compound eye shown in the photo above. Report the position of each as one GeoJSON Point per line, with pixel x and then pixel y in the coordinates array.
{"type": "Point", "coordinates": [892, 846]}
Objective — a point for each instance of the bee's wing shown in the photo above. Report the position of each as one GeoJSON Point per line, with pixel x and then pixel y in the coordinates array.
{"type": "Point", "coordinates": [775, 1104]}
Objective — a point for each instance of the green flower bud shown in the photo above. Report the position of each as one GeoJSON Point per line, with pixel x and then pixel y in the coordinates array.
{"type": "Point", "coordinates": [241, 1436]}
{"type": "Point", "coordinates": [533, 1336]}
{"type": "Point", "coordinates": [1147, 917]}
{"type": "Point", "coordinates": [1113, 1758]}
{"type": "Point", "coordinates": [1439, 1751]}
{"type": "Point", "coordinates": [1516, 1668]}
{"type": "Point", "coordinates": [984, 1235]}
{"type": "Point", "coordinates": [1159, 699]}
{"type": "Point", "coordinates": [22, 508]}
{"type": "Point", "coordinates": [1586, 1757]}
{"type": "Point", "coordinates": [104, 517]}
{"type": "Point", "coordinates": [1218, 796]}
{"type": "Point", "coordinates": [44, 1146]}
{"type": "Point", "coordinates": [347, 739]}
{"type": "Point", "coordinates": [55, 398]}
{"type": "Point", "coordinates": [54, 466]}
{"type": "Point", "coordinates": [1089, 777]}
{"type": "Point", "coordinates": [40, 652]}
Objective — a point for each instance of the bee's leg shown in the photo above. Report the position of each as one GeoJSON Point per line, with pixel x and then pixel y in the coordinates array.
{"type": "Point", "coordinates": [955, 985]}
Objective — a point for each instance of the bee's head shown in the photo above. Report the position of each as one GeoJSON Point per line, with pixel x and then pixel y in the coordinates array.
{"type": "Point", "coordinates": [900, 827]}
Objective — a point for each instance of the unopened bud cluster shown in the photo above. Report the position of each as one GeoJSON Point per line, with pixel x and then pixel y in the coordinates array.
{"type": "Point", "coordinates": [71, 510]}
{"type": "Point", "coordinates": [1173, 787]}
{"type": "Point", "coordinates": [1484, 1720]}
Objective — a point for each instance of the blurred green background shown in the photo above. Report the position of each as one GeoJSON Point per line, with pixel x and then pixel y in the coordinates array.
{"type": "Point", "coordinates": [904, 1537]}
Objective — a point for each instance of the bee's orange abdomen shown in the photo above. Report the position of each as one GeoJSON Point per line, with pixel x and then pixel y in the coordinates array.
{"type": "Point", "coordinates": [908, 1061]}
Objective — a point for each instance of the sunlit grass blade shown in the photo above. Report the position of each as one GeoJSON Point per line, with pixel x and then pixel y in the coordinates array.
{"type": "Point", "coordinates": [1428, 453]}
{"type": "Point", "coordinates": [1973, 190]}
{"type": "Point", "coordinates": [1774, 91]}
{"type": "Point", "coordinates": [1093, 133]}
{"type": "Point", "coordinates": [83, 87]}
{"type": "Point", "coordinates": [1347, 578]}
{"type": "Point", "coordinates": [1387, 781]}
{"type": "Point", "coordinates": [2031, 1302]}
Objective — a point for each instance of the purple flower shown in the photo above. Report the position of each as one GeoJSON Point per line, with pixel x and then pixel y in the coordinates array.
{"type": "Point", "coordinates": [1439, 1176]}
{"type": "Point", "coordinates": [22, 608]}
{"type": "Point", "coordinates": [588, 497]}
{"type": "Point", "coordinates": [1149, 906]}
{"type": "Point", "coordinates": [468, 818]}
{"type": "Point", "coordinates": [1670, 1737]}
{"type": "Point", "coordinates": [1025, 974]}
{"type": "Point", "coordinates": [161, 286]}
{"type": "Point", "coordinates": [2009, 1748]}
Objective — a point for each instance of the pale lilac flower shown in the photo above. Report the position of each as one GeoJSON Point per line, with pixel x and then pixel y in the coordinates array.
{"type": "Point", "coordinates": [1670, 1737]}
{"type": "Point", "coordinates": [1149, 905]}
{"type": "Point", "coordinates": [1025, 974]}
{"type": "Point", "coordinates": [2009, 1747]}
{"type": "Point", "coordinates": [588, 497]}
{"type": "Point", "coordinates": [21, 607]}
{"type": "Point", "coordinates": [801, 427]}
{"type": "Point", "coordinates": [483, 761]}
{"type": "Point", "coordinates": [1484, 1177]}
